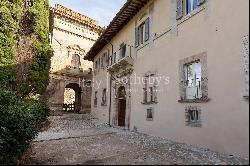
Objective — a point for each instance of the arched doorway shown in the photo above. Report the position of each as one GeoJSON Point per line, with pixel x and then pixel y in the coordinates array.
{"type": "Point", "coordinates": [72, 96]}
{"type": "Point", "coordinates": [121, 109]}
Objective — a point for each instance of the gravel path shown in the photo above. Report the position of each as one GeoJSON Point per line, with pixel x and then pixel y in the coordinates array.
{"type": "Point", "coordinates": [80, 139]}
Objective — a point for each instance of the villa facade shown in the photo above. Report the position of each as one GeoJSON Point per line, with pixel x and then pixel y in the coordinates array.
{"type": "Point", "coordinates": [177, 69]}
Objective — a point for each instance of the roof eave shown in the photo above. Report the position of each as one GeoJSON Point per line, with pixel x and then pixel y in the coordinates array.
{"type": "Point", "coordinates": [126, 13]}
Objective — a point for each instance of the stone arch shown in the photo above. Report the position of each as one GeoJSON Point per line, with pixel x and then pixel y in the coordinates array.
{"type": "Point", "coordinates": [78, 91]}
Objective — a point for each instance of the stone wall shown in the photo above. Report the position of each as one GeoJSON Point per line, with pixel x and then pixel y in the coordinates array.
{"type": "Point", "coordinates": [71, 38]}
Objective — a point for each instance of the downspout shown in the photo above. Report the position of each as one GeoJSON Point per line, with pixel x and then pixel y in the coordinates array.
{"type": "Point", "coordinates": [110, 86]}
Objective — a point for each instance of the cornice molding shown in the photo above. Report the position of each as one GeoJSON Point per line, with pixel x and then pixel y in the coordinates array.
{"type": "Point", "coordinates": [72, 33]}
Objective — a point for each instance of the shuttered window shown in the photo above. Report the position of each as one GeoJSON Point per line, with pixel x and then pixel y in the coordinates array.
{"type": "Point", "coordinates": [136, 37]}
{"type": "Point", "coordinates": [142, 33]}
{"type": "Point", "coordinates": [188, 5]}
{"type": "Point", "coordinates": [145, 96]}
{"type": "Point", "coordinates": [107, 58]}
{"type": "Point", "coordinates": [122, 50]}
{"type": "Point", "coordinates": [147, 30]}
{"type": "Point", "coordinates": [179, 10]}
{"type": "Point", "coordinates": [149, 90]}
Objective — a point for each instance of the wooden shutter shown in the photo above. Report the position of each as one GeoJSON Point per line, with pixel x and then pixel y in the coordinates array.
{"type": "Point", "coordinates": [141, 35]}
{"type": "Point", "coordinates": [179, 10]}
{"type": "Point", "coordinates": [107, 59]}
{"type": "Point", "coordinates": [102, 61]}
{"type": "Point", "coordinates": [147, 29]}
{"type": "Point", "coordinates": [99, 63]}
{"type": "Point", "coordinates": [200, 2]}
{"type": "Point", "coordinates": [136, 37]}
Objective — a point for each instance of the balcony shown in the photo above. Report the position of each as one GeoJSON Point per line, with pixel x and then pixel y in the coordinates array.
{"type": "Point", "coordinates": [70, 71]}
{"type": "Point", "coordinates": [125, 60]}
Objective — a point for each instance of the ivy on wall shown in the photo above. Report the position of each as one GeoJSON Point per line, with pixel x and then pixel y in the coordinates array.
{"type": "Point", "coordinates": [38, 74]}
{"type": "Point", "coordinates": [10, 15]}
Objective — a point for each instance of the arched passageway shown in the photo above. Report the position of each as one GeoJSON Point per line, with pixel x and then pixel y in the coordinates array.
{"type": "Point", "coordinates": [72, 97]}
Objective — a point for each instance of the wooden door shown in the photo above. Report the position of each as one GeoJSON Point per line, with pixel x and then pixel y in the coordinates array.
{"type": "Point", "coordinates": [121, 112]}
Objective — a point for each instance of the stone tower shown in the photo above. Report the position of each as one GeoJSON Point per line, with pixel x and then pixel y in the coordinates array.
{"type": "Point", "coordinates": [71, 35]}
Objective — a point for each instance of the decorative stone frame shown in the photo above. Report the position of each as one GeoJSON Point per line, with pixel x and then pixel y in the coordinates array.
{"type": "Point", "coordinates": [204, 78]}
{"type": "Point", "coordinates": [125, 74]}
{"type": "Point", "coordinates": [187, 116]}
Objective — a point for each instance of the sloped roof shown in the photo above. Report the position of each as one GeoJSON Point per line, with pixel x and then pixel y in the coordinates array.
{"type": "Point", "coordinates": [126, 13]}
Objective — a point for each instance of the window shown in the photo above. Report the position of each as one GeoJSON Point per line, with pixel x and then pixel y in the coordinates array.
{"type": "Point", "coordinates": [184, 7]}
{"type": "Point", "coordinates": [191, 5]}
{"type": "Point", "coordinates": [107, 58]}
{"type": "Point", "coordinates": [142, 33]}
{"type": "Point", "coordinates": [96, 65]}
{"type": "Point", "coordinates": [95, 99]}
{"type": "Point", "coordinates": [104, 97]}
{"type": "Point", "coordinates": [193, 116]}
{"type": "Point", "coordinates": [122, 50]}
{"type": "Point", "coordinates": [114, 58]}
{"type": "Point", "coordinates": [149, 90]}
{"type": "Point", "coordinates": [151, 94]}
{"type": "Point", "coordinates": [193, 80]}
{"type": "Point", "coordinates": [99, 63]}
{"type": "Point", "coordinates": [103, 61]}
{"type": "Point", "coordinates": [150, 115]}
{"type": "Point", "coordinates": [75, 62]}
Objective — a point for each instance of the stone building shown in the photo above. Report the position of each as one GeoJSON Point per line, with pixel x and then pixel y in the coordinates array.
{"type": "Point", "coordinates": [72, 35]}
{"type": "Point", "coordinates": [177, 69]}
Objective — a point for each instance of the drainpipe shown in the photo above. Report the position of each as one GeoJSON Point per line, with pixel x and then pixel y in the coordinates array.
{"type": "Point", "coordinates": [110, 83]}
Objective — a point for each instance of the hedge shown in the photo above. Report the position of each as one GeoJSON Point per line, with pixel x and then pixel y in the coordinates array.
{"type": "Point", "coordinates": [20, 122]}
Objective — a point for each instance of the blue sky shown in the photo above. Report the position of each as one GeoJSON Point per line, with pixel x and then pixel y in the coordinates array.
{"type": "Point", "coordinates": [101, 10]}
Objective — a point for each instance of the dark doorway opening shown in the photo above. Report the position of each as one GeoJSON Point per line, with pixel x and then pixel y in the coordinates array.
{"type": "Point", "coordinates": [121, 106]}
{"type": "Point", "coordinates": [75, 104]}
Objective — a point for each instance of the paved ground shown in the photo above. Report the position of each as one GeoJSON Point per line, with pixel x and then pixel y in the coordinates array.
{"type": "Point", "coordinates": [80, 139]}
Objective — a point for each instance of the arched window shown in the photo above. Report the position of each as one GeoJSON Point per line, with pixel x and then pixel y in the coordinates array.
{"type": "Point", "coordinates": [75, 62]}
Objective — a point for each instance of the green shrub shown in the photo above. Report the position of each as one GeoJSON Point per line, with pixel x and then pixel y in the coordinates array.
{"type": "Point", "coordinates": [20, 122]}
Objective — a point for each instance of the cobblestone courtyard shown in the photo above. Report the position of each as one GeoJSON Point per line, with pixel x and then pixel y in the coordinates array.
{"type": "Point", "coordinates": [80, 139]}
